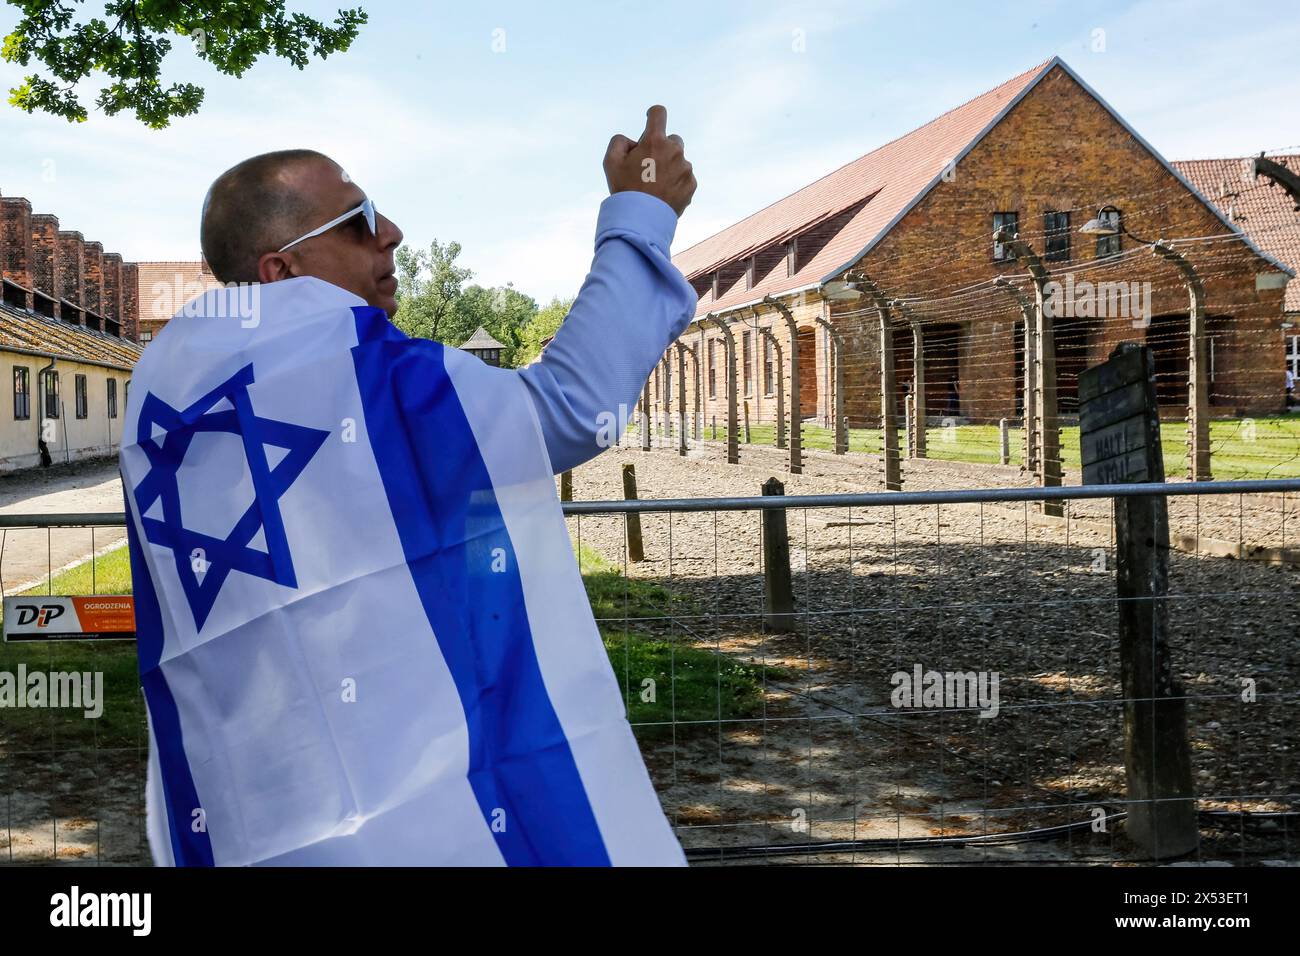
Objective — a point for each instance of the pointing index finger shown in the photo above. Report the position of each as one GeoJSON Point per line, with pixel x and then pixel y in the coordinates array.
{"type": "Point", "coordinates": [656, 123]}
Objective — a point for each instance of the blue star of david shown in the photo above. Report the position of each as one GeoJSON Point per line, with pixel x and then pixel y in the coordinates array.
{"type": "Point", "coordinates": [202, 576]}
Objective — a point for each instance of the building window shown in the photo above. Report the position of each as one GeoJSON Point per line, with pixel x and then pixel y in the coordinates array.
{"type": "Point", "coordinates": [747, 359]}
{"type": "Point", "coordinates": [1293, 354]}
{"type": "Point", "coordinates": [1011, 222]}
{"type": "Point", "coordinates": [656, 383]}
{"type": "Point", "coordinates": [769, 365]}
{"type": "Point", "coordinates": [22, 394]}
{"type": "Point", "coordinates": [146, 337]}
{"type": "Point", "coordinates": [1109, 245]}
{"type": "Point", "coordinates": [792, 257]}
{"type": "Point", "coordinates": [51, 394]}
{"type": "Point", "coordinates": [79, 390]}
{"type": "Point", "coordinates": [112, 398]}
{"type": "Point", "coordinates": [713, 368]}
{"type": "Point", "coordinates": [1056, 233]}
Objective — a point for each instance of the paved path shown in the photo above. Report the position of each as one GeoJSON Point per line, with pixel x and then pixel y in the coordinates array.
{"type": "Point", "coordinates": [27, 556]}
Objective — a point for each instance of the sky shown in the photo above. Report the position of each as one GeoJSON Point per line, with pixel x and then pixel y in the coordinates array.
{"type": "Point", "coordinates": [486, 123]}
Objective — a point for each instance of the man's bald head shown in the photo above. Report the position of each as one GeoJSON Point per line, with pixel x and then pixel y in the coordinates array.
{"type": "Point", "coordinates": [256, 207]}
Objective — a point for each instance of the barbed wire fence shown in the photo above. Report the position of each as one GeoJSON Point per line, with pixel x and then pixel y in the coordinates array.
{"type": "Point", "coordinates": [972, 337]}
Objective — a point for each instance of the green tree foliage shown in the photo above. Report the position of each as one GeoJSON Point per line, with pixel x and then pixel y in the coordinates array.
{"type": "Point", "coordinates": [542, 326]}
{"type": "Point", "coordinates": [503, 311]}
{"type": "Point", "coordinates": [129, 44]}
{"type": "Point", "coordinates": [434, 302]}
{"type": "Point", "coordinates": [429, 284]}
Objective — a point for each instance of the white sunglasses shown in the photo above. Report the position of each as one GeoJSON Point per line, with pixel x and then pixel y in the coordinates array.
{"type": "Point", "coordinates": [367, 208]}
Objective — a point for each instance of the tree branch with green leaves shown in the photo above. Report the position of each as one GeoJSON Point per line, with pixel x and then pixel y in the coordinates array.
{"type": "Point", "coordinates": [229, 34]}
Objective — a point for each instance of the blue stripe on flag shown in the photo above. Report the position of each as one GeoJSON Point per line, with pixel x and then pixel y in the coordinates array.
{"type": "Point", "coordinates": [180, 797]}
{"type": "Point", "coordinates": [521, 767]}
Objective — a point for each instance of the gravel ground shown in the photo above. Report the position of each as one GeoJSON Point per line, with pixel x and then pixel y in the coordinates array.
{"type": "Point", "coordinates": [992, 588]}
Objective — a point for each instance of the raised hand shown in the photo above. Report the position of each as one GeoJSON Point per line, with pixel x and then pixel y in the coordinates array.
{"type": "Point", "coordinates": [654, 164]}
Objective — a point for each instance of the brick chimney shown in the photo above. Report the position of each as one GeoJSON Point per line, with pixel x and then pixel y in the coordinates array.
{"type": "Point", "coordinates": [111, 296]}
{"type": "Point", "coordinates": [93, 284]}
{"type": "Point", "coordinates": [72, 253]}
{"type": "Point", "coordinates": [131, 301]}
{"type": "Point", "coordinates": [45, 261]}
{"type": "Point", "coordinates": [16, 248]}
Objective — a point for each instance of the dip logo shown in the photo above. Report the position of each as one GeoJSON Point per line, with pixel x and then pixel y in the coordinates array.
{"type": "Point", "coordinates": [42, 614]}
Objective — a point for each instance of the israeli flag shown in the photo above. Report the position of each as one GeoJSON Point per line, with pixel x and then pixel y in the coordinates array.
{"type": "Point", "coordinates": [363, 637]}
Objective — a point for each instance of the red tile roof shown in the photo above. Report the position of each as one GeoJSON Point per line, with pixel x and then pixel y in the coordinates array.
{"type": "Point", "coordinates": [869, 193]}
{"type": "Point", "coordinates": [1260, 208]}
{"type": "Point", "coordinates": [164, 287]}
{"type": "Point", "coordinates": [846, 212]}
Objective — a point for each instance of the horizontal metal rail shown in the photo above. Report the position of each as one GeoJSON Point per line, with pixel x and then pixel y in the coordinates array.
{"type": "Point", "coordinates": [884, 499]}
{"type": "Point", "coordinates": [889, 499]}
{"type": "Point", "coordinates": [73, 519]}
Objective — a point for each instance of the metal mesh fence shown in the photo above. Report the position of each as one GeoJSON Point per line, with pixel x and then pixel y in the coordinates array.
{"type": "Point", "coordinates": [944, 690]}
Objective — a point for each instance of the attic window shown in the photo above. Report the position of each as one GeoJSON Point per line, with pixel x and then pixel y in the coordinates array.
{"type": "Point", "coordinates": [15, 295]}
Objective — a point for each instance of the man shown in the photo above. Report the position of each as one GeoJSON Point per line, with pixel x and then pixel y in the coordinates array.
{"type": "Point", "coordinates": [363, 638]}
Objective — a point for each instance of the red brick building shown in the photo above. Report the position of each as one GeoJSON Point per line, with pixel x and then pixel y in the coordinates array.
{"type": "Point", "coordinates": [1262, 210]}
{"type": "Point", "coordinates": [57, 273]}
{"type": "Point", "coordinates": [1043, 155]}
{"type": "Point", "coordinates": [67, 324]}
{"type": "Point", "coordinates": [165, 287]}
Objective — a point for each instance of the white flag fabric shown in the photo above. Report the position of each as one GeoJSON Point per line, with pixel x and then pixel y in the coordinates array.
{"type": "Point", "coordinates": [363, 636]}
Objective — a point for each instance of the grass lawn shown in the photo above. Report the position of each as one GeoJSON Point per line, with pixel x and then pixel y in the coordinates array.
{"type": "Point", "coordinates": [121, 726]}
{"type": "Point", "coordinates": [690, 683]}
{"type": "Point", "coordinates": [1239, 448]}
